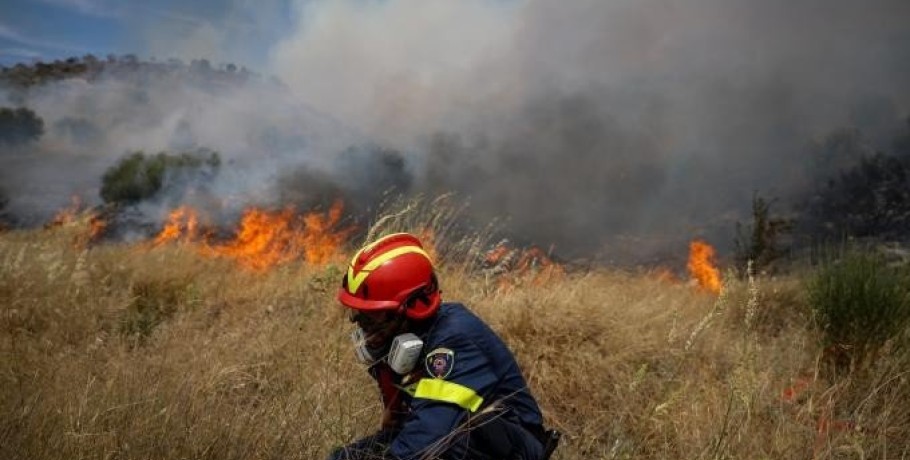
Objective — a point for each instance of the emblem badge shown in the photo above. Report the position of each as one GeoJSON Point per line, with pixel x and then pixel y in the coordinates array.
{"type": "Point", "coordinates": [439, 362]}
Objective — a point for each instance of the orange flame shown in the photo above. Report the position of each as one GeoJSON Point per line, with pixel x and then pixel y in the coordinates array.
{"type": "Point", "coordinates": [77, 214]}
{"type": "Point", "coordinates": [97, 226]}
{"type": "Point", "coordinates": [321, 241]}
{"type": "Point", "coordinates": [265, 239]}
{"type": "Point", "coordinates": [181, 222]}
{"type": "Point", "coordinates": [496, 255]}
{"type": "Point", "coordinates": [702, 266]}
{"type": "Point", "coordinates": [511, 264]}
{"type": "Point", "coordinates": [68, 214]}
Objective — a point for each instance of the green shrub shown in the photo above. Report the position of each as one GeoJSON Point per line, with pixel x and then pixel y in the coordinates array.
{"type": "Point", "coordinates": [19, 126]}
{"type": "Point", "coordinates": [871, 199]}
{"type": "Point", "coordinates": [860, 302]}
{"type": "Point", "coordinates": [139, 176]}
{"type": "Point", "coordinates": [760, 242]}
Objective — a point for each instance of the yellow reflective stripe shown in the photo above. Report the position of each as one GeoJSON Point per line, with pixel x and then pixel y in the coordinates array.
{"type": "Point", "coordinates": [371, 246]}
{"type": "Point", "coordinates": [450, 392]}
{"type": "Point", "coordinates": [354, 281]}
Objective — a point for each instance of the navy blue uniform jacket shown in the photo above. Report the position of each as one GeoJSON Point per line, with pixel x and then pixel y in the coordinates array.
{"type": "Point", "coordinates": [466, 367]}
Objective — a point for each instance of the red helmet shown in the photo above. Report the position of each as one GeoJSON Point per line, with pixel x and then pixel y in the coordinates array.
{"type": "Point", "coordinates": [392, 273]}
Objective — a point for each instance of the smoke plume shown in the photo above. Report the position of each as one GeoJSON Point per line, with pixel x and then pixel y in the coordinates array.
{"type": "Point", "coordinates": [588, 121]}
{"type": "Point", "coordinates": [256, 127]}
{"type": "Point", "coordinates": [618, 128]}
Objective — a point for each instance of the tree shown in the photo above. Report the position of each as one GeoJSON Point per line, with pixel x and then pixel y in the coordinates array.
{"type": "Point", "coordinates": [4, 216]}
{"type": "Point", "coordinates": [19, 126]}
{"type": "Point", "coordinates": [139, 176]}
{"type": "Point", "coordinates": [871, 199]}
{"type": "Point", "coordinates": [760, 241]}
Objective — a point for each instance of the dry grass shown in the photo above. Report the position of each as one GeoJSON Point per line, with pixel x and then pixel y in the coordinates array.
{"type": "Point", "coordinates": [119, 353]}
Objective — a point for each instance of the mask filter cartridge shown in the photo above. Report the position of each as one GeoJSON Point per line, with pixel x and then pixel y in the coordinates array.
{"type": "Point", "coordinates": [405, 353]}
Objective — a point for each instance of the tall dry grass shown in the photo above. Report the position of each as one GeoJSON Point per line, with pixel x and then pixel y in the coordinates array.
{"type": "Point", "coordinates": [118, 352]}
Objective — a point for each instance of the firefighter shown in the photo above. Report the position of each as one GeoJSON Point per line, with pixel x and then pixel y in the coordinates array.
{"type": "Point", "coordinates": [450, 387]}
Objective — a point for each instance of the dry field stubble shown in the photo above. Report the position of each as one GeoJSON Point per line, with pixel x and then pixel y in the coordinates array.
{"type": "Point", "coordinates": [123, 352]}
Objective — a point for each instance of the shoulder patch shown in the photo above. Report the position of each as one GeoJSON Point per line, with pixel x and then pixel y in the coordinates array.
{"type": "Point", "coordinates": [439, 362]}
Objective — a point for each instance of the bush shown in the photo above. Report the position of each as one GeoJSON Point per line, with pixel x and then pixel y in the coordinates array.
{"type": "Point", "coordinates": [760, 241]}
{"type": "Point", "coordinates": [871, 199]}
{"type": "Point", "coordinates": [19, 126]}
{"type": "Point", "coordinates": [139, 177]}
{"type": "Point", "coordinates": [860, 302]}
{"type": "Point", "coordinates": [3, 202]}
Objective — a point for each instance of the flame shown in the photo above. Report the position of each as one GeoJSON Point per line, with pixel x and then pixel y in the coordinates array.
{"type": "Point", "coordinates": [269, 238]}
{"type": "Point", "coordinates": [77, 215]}
{"type": "Point", "coordinates": [321, 240]}
{"type": "Point", "coordinates": [97, 227]}
{"type": "Point", "coordinates": [182, 222]}
{"type": "Point", "coordinates": [702, 266]}
{"type": "Point", "coordinates": [68, 214]}
{"type": "Point", "coordinates": [264, 238]}
{"type": "Point", "coordinates": [497, 255]}
{"type": "Point", "coordinates": [532, 258]}
{"type": "Point", "coordinates": [513, 265]}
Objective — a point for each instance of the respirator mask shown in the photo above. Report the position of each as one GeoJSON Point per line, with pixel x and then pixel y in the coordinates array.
{"type": "Point", "coordinates": [403, 354]}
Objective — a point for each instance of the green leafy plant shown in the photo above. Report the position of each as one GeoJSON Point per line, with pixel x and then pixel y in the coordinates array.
{"type": "Point", "coordinates": [19, 126]}
{"type": "Point", "coordinates": [760, 242]}
{"type": "Point", "coordinates": [871, 199]}
{"type": "Point", "coordinates": [139, 176]}
{"type": "Point", "coordinates": [860, 301]}
{"type": "Point", "coordinates": [3, 202]}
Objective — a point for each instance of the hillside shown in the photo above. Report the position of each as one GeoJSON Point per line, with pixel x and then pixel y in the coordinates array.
{"type": "Point", "coordinates": [67, 126]}
{"type": "Point", "coordinates": [63, 125]}
{"type": "Point", "coordinates": [22, 77]}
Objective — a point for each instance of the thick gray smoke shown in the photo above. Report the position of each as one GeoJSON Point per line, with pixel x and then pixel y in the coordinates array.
{"type": "Point", "coordinates": [257, 128]}
{"type": "Point", "coordinates": [588, 121]}
{"type": "Point", "coordinates": [615, 127]}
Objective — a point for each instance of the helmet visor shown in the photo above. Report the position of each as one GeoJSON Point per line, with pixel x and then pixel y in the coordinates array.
{"type": "Point", "coordinates": [369, 320]}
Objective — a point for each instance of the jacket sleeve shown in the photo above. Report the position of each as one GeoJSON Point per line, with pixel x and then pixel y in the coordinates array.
{"type": "Point", "coordinates": [440, 404]}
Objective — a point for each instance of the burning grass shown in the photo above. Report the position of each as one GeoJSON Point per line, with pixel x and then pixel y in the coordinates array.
{"type": "Point", "coordinates": [110, 352]}
{"type": "Point", "coordinates": [263, 239]}
{"type": "Point", "coordinates": [703, 267]}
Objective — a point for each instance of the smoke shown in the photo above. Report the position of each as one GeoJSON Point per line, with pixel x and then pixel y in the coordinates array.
{"type": "Point", "coordinates": [256, 127]}
{"type": "Point", "coordinates": [585, 121]}
{"type": "Point", "coordinates": [613, 127]}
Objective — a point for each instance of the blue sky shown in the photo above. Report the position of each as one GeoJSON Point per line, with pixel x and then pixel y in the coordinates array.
{"type": "Point", "coordinates": [220, 30]}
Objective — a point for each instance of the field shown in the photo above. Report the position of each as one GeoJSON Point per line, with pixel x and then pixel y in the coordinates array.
{"type": "Point", "coordinates": [119, 351]}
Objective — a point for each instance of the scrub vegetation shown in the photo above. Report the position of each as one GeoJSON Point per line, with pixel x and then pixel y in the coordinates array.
{"type": "Point", "coordinates": [120, 351]}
